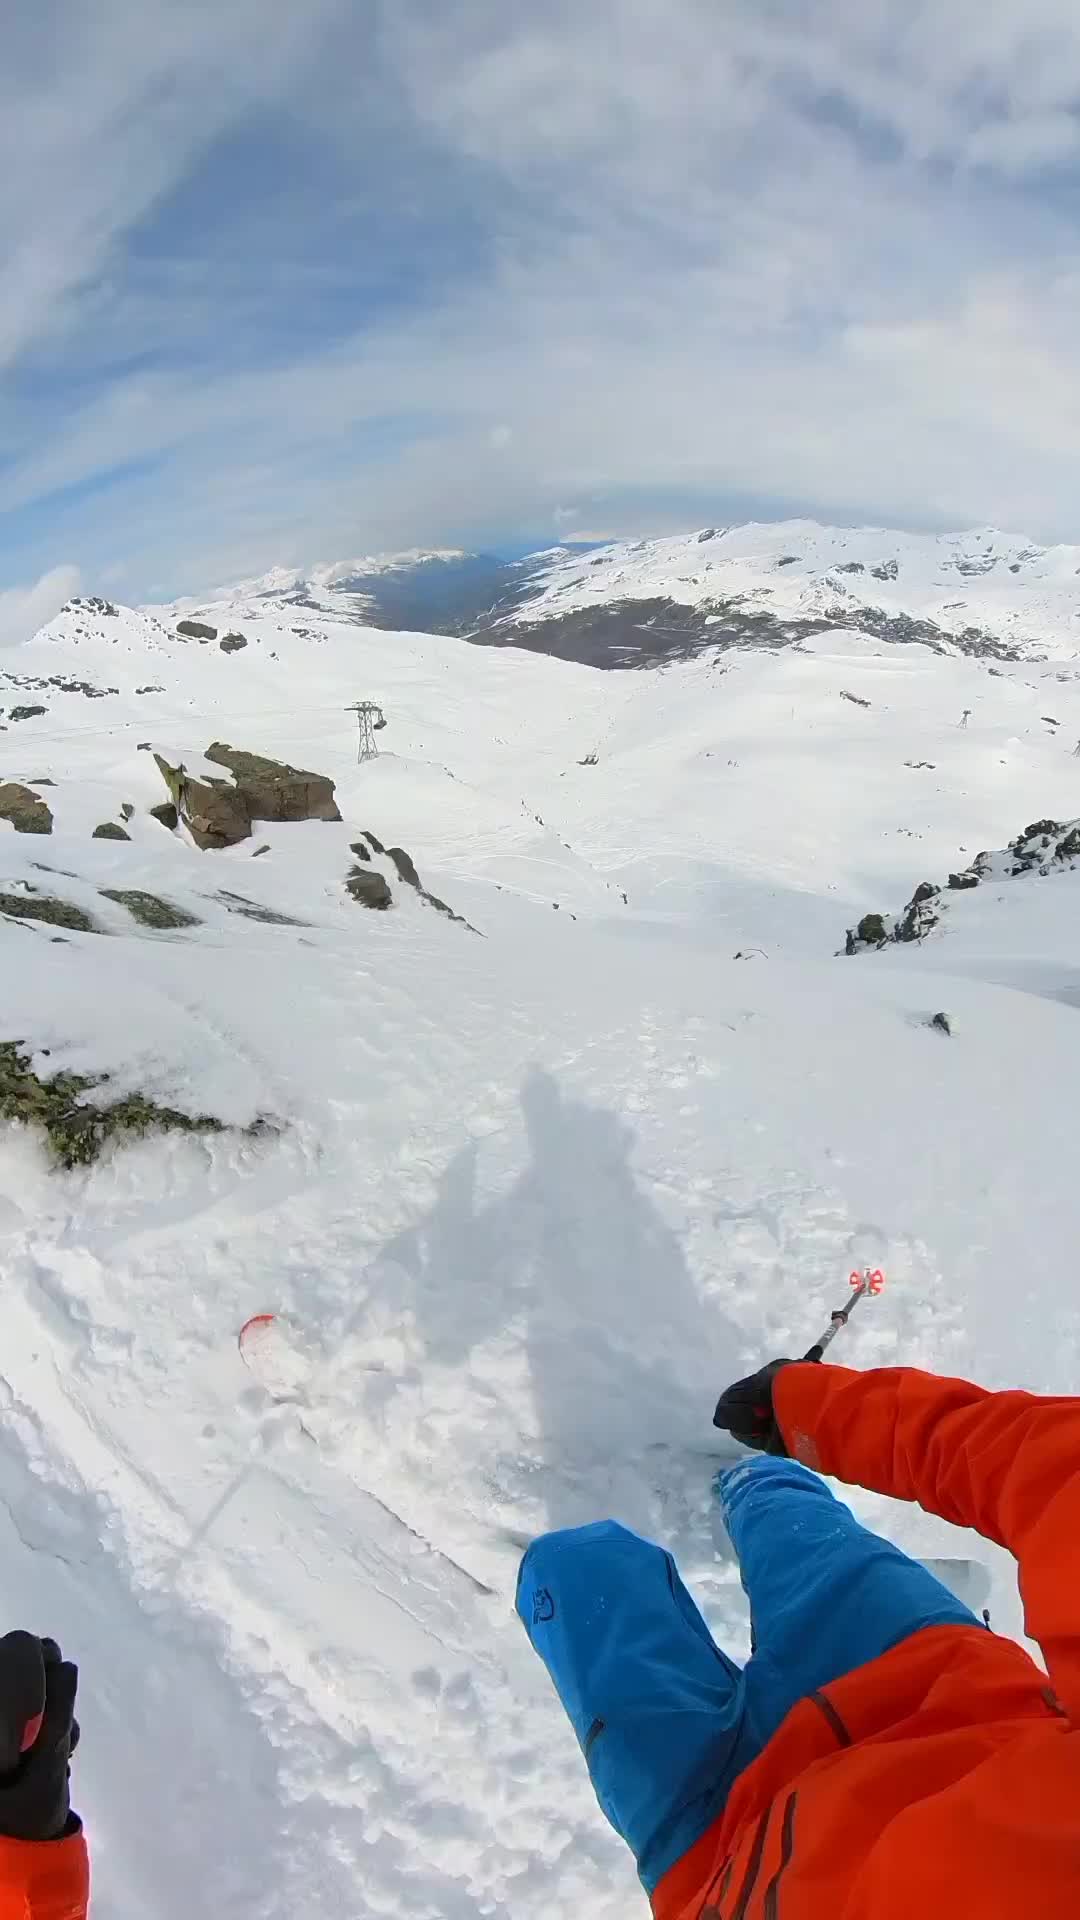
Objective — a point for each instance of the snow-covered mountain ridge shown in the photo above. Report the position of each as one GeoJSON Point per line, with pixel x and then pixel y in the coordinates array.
{"type": "Point", "coordinates": [524, 1197]}
{"type": "Point", "coordinates": [642, 602]}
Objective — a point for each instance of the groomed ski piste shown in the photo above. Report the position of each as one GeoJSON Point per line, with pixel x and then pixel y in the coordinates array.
{"type": "Point", "coordinates": [524, 1199]}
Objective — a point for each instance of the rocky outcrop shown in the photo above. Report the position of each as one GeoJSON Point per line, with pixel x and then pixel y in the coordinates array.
{"type": "Point", "coordinates": [196, 630]}
{"type": "Point", "coordinates": [26, 713]}
{"type": "Point", "coordinates": [216, 816]}
{"type": "Point", "coordinates": [1048, 846]}
{"type": "Point", "coordinates": [29, 904]}
{"type": "Point", "coordinates": [148, 910]}
{"type": "Point", "coordinates": [233, 643]}
{"type": "Point", "coordinates": [219, 813]}
{"type": "Point", "coordinates": [110, 830]}
{"type": "Point", "coordinates": [406, 868]}
{"type": "Point", "coordinates": [167, 815]}
{"type": "Point", "coordinates": [254, 910]}
{"type": "Point", "coordinates": [273, 790]}
{"type": "Point", "coordinates": [77, 1129]}
{"type": "Point", "coordinates": [26, 810]}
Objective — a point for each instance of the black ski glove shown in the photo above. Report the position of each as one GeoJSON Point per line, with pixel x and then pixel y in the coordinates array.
{"type": "Point", "coordinates": [38, 1735]}
{"type": "Point", "coordinates": [745, 1410]}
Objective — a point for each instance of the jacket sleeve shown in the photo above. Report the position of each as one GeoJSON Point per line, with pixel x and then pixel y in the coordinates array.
{"type": "Point", "coordinates": [1005, 1464]}
{"type": "Point", "coordinates": [44, 1879]}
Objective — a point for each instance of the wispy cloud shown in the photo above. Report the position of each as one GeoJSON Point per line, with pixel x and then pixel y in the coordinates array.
{"type": "Point", "coordinates": [24, 609]}
{"type": "Point", "coordinates": [292, 282]}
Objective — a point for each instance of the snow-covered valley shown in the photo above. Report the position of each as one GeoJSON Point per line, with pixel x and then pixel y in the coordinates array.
{"type": "Point", "coordinates": [526, 1191]}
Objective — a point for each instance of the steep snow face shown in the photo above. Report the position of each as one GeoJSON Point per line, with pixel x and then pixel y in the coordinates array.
{"type": "Point", "coordinates": [525, 1198]}
{"type": "Point", "coordinates": [1025, 596]}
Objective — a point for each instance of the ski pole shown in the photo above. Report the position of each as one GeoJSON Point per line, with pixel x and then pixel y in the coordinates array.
{"type": "Point", "coordinates": [863, 1283]}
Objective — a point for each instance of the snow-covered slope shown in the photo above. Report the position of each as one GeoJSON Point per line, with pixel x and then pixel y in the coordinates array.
{"type": "Point", "coordinates": [527, 1197]}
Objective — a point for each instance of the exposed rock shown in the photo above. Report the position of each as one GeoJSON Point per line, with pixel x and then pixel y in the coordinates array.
{"type": "Point", "coordinates": [590, 760]}
{"type": "Point", "coordinates": [76, 1130]}
{"type": "Point", "coordinates": [375, 845]}
{"type": "Point", "coordinates": [233, 643]}
{"type": "Point", "coordinates": [215, 816]}
{"type": "Point", "coordinates": [851, 566]}
{"type": "Point", "coordinates": [94, 604]}
{"type": "Point", "coordinates": [273, 790]}
{"type": "Point", "coordinates": [254, 910]}
{"type": "Point", "coordinates": [265, 848]}
{"type": "Point", "coordinates": [787, 559]}
{"type": "Point", "coordinates": [405, 866]}
{"type": "Point", "coordinates": [43, 782]}
{"type": "Point", "coordinates": [148, 910]}
{"type": "Point", "coordinates": [370, 889]}
{"type": "Point", "coordinates": [361, 849]}
{"type": "Point", "coordinates": [26, 713]}
{"type": "Point", "coordinates": [459, 919]}
{"type": "Point", "coordinates": [167, 814]}
{"type": "Point", "coordinates": [888, 570]}
{"type": "Point", "coordinates": [25, 810]}
{"type": "Point", "coordinates": [127, 812]}
{"type": "Point", "coordinates": [855, 699]}
{"type": "Point", "coordinates": [195, 630]}
{"type": "Point", "coordinates": [1043, 848]}
{"type": "Point", "coordinates": [33, 905]}
{"type": "Point", "coordinates": [407, 872]}
{"type": "Point", "coordinates": [942, 1024]}
{"type": "Point", "coordinates": [919, 917]}
{"type": "Point", "coordinates": [871, 928]}
{"type": "Point", "coordinates": [110, 830]}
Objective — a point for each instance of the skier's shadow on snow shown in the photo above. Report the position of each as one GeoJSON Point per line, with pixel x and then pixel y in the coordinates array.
{"type": "Point", "coordinates": [625, 1359]}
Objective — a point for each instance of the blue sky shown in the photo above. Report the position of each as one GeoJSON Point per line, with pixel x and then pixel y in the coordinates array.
{"type": "Point", "coordinates": [287, 283]}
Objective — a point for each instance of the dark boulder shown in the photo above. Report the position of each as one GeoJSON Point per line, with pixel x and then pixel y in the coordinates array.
{"type": "Point", "coordinates": [369, 889]}
{"type": "Point", "coordinates": [405, 866]}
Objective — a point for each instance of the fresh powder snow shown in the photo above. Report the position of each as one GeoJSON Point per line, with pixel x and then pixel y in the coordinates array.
{"type": "Point", "coordinates": [523, 1194]}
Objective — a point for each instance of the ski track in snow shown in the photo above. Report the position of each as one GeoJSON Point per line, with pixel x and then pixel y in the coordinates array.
{"type": "Point", "coordinates": [533, 1200]}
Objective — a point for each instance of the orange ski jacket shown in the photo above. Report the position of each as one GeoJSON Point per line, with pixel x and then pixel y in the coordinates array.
{"type": "Point", "coordinates": [44, 1879]}
{"type": "Point", "coordinates": [943, 1779]}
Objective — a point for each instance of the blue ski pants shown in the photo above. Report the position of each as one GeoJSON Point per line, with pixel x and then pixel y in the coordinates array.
{"type": "Point", "coordinates": [666, 1720]}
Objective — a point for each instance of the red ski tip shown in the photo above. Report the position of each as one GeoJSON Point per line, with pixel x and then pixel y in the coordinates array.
{"type": "Point", "coordinates": [249, 1326]}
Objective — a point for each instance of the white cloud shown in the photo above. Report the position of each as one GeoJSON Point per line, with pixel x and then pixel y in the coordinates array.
{"type": "Point", "coordinates": [822, 253]}
{"type": "Point", "coordinates": [24, 609]}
